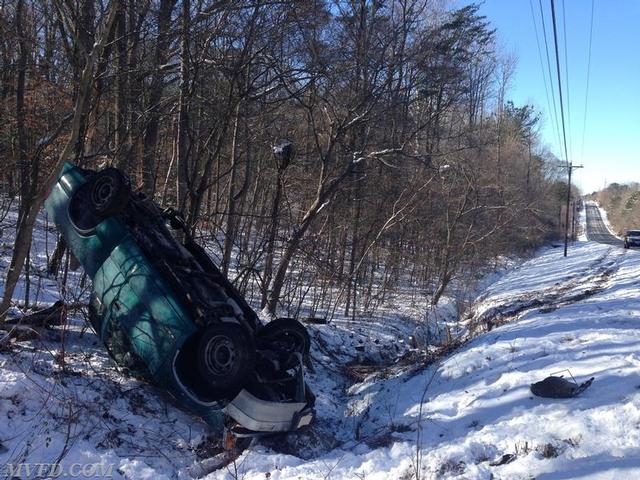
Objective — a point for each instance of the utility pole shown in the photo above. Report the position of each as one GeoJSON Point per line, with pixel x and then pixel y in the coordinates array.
{"type": "Point", "coordinates": [564, 132]}
{"type": "Point", "coordinates": [570, 167]}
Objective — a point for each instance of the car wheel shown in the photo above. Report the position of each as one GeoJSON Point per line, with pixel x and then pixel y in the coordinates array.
{"type": "Point", "coordinates": [226, 357]}
{"type": "Point", "coordinates": [109, 192]}
{"type": "Point", "coordinates": [284, 335]}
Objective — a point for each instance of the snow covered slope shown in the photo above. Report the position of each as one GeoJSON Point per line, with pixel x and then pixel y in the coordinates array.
{"type": "Point", "coordinates": [384, 411]}
{"type": "Point", "coordinates": [473, 416]}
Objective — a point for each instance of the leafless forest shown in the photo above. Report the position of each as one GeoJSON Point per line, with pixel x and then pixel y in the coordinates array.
{"type": "Point", "coordinates": [621, 204]}
{"type": "Point", "coordinates": [411, 167]}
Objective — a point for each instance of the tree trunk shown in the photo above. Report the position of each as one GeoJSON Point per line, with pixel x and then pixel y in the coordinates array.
{"type": "Point", "coordinates": [183, 118]}
{"type": "Point", "coordinates": [23, 162]}
{"type": "Point", "coordinates": [25, 226]}
{"type": "Point", "coordinates": [326, 189]}
{"type": "Point", "coordinates": [229, 234]}
{"type": "Point", "coordinates": [121, 106]}
{"type": "Point", "coordinates": [271, 238]}
{"type": "Point", "coordinates": [156, 89]}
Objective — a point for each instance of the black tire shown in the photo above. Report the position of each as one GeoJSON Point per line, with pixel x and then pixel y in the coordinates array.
{"type": "Point", "coordinates": [285, 336]}
{"type": "Point", "coordinates": [226, 357]}
{"type": "Point", "coordinates": [108, 193]}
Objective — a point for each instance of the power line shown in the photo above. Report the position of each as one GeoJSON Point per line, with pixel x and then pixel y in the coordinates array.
{"type": "Point", "coordinates": [566, 73]}
{"type": "Point", "coordinates": [551, 85]}
{"type": "Point", "coordinates": [564, 131]}
{"type": "Point", "coordinates": [552, 114]}
{"type": "Point", "coordinates": [586, 95]}
{"type": "Point", "coordinates": [555, 42]}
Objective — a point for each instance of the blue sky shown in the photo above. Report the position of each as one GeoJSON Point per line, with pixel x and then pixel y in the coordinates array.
{"type": "Point", "coordinates": [613, 109]}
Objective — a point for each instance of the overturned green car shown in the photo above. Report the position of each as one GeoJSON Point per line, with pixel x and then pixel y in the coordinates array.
{"type": "Point", "coordinates": [165, 311]}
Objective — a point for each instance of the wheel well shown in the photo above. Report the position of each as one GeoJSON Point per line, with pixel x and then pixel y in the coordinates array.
{"type": "Point", "coordinates": [186, 373]}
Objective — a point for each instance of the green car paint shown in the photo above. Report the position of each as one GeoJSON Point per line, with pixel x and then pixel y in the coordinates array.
{"type": "Point", "coordinates": [132, 299]}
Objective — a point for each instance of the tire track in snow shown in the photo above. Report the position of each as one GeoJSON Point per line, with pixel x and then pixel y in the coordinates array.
{"type": "Point", "coordinates": [549, 299]}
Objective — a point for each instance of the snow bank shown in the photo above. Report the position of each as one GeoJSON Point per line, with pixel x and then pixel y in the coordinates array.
{"type": "Point", "coordinates": [384, 409]}
{"type": "Point", "coordinates": [473, 415]}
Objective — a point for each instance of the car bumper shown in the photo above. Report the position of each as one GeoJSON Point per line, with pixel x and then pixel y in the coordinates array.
{"type": "Point", "coordinates": [260, 415]}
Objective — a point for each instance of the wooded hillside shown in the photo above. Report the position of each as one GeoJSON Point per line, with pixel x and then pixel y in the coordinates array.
{"type": "Point", "coordinates": [410, 169]}
{"type": "Point", "coordinates": [622, 203]}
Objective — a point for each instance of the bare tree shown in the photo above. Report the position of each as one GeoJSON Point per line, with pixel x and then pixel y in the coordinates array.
{"type": "Point", "coordinates": [30, 210]}
{"type": "Point", "coordinates": [411, 166]}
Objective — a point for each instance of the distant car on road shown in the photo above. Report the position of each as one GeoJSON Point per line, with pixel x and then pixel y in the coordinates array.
{"type": "Point", "coordinates": [166, 312]}
{"type": "Point", "coordinates": [632, 239]}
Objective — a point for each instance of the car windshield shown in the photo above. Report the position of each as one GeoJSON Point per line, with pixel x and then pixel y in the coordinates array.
{"type": "Point", "coordinates": [635, 233]}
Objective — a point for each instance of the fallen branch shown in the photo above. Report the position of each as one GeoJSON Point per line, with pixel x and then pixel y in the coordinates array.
{"type": "Point", "coordinates": [56, 314]}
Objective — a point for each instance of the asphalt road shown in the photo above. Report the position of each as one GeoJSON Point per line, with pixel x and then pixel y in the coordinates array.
{"type": "Point", "coordinates": [597, 231]}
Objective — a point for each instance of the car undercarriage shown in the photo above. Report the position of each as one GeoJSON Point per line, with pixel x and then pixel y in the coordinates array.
{"type": "Point", "coordinates": [222, 357]}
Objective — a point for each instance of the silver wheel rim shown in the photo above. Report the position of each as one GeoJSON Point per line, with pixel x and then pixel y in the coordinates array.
{"type": "Point", "coordinates": [220, 355]}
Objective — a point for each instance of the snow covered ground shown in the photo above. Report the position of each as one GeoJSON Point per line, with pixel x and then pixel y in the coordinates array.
{"type": "Point", "coordinates": [472, 415]}
{"type": "Point", "coordinates": [385, 411]}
